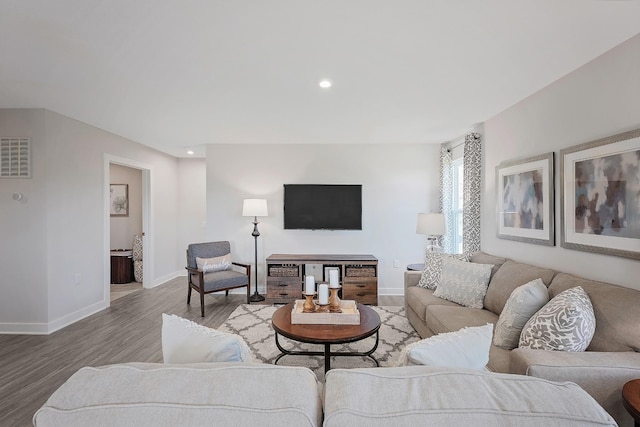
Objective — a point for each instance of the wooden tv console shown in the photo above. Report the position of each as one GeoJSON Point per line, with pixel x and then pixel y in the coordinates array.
{"type": "Point", "coordinates": [358, 276]}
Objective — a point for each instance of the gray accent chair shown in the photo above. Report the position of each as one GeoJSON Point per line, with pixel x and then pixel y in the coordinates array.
{"type": "Point", "coordinates": [205, 283]}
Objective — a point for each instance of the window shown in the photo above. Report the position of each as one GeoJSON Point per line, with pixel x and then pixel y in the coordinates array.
{"type": "Point", "coordinates": [457, 167]}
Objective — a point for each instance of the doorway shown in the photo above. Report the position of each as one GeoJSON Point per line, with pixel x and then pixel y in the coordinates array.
{"type": "Point", "coordinates": [127, 227]}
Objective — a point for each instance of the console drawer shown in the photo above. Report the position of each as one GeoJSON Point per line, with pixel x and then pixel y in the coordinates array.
{"type": "Point", "coordinates": [284, 290]}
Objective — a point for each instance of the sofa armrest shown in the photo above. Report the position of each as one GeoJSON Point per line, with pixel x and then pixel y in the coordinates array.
{"type": "Point", "coordinates": [601, 374]}
{"type": "Point", "coordinates": [411, 278]}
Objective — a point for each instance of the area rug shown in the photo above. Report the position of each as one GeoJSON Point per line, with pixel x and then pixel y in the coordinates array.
{"type": "Point", "coordinates": [253, 323]}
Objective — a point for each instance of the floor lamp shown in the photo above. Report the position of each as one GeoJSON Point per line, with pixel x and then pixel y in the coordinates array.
{"type": "Point", "coordinates": [255, 208]}
{"type": "Point", "coordinates": [431, 224]}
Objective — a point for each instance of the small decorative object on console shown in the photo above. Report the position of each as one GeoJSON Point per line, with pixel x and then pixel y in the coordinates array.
{"type": "Point", "coordinates": [348, 315]}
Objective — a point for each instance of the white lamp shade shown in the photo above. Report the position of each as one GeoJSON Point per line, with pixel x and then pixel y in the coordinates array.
{"type": "Point", "coordinates": [431, 224]}
{"type": "Point", "coordinates": [254, 207]}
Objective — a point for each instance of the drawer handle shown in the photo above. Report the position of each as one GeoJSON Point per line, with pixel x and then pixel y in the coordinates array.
{"type": "Point", "coordinates": [283, 285]}
{"type": "Point", "coordinates": [361, 286]}
{"type": "Point", "coordinates": [283, 295]}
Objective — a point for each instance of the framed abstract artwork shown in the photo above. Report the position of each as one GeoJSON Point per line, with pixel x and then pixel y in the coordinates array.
{"type": "Point", "coordinates": [601, 196]}
{"type": "Point", "coordinates": [119, 199]}
{"type": "Point", "coordinates": [525, 200]}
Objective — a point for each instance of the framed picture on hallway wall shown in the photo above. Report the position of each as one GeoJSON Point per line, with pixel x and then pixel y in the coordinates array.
{"type": "Point", "coordinates": [119, 199]}
{"type": "Point", "coordinates": [601, 196]}
{"type": "Point", "coordinates": [525, 200]}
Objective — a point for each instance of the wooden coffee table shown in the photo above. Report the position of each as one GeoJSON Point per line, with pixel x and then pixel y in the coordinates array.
{"type": "Point", "coordinates": [326, 334]}
{"type": "Point", "coordinates": [631, 399]}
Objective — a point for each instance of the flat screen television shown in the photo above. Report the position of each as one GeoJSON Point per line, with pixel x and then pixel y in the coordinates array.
{"type": "Point", "coordinates": [322, 207]}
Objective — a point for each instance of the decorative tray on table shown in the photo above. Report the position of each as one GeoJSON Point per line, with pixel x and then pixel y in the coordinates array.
{"type": "Point", "coordinates": [349, 316]}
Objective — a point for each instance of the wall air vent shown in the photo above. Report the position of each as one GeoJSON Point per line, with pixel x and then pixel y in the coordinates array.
{"type": "Point", "coordinates": [15, 158]}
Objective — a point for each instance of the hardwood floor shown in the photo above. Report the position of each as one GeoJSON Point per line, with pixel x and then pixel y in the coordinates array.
{"type": "Point", "coordinates": [34, 366]}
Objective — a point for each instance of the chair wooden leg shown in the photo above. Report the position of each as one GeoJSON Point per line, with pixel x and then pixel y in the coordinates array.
{"type": "Point", "coordinates": [202, 303]}
{"type": "Point", "coordinates": [226, 293]}
{"type": "Point", "coordinates": [189, 294]}
{"type": "Point", "coordinates": [248, 294]}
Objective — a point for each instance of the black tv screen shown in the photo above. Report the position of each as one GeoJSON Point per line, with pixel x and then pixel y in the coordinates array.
{"type": "Point", "coordinates": [322, 207]}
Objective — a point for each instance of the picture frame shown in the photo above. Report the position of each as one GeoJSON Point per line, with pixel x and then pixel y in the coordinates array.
{"type": "Point", "coordinates": [599, 196]}
{"type": "Point", "coordinates": [525, 200]}
{"type": "Point", "coordinates": [119, 200]}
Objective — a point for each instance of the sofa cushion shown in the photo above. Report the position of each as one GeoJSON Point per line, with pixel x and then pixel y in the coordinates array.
{"type": "Point", "coordinates": [613, 306]}
{"type": "Point", "coordinates": [463, 282]}
{"type": "Point", "coordinates": [175, 395]}
{"type": "Point", "coordinates": [443, 318]}
{"type": "Point", "coordinates": [523, 303]}
{"type": "Point", "coordinates": [420, 298]}
{"type": "Point", "coordinates": [430, 396]}
{"type": "Point", "coordinates": [566, 323]}
{"type": "Point", "coordinates": [484, 258]}
{"type": "Point", "coordinates": [466, 348]}
{"type": "Point", "coordinates": [508, 277]}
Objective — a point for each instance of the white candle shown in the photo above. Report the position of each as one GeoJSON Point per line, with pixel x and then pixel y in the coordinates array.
{"type": "Point", "coordinates": [310, 285]}
{"type": "Point", "coordinates": [323, 294]}
{"type": "Point", "coordinates": [334, 281]}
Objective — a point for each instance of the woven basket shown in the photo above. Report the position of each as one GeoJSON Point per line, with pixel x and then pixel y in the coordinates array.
{"type": "Point", "coordinates": [361, 272]}
{"type": "Point", "coordinates": [283, 271]}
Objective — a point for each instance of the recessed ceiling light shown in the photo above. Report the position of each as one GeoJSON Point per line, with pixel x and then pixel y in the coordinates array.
{"type": "Point", "coordinates": [325, 83]}
{"type": "Point", "coordinates": [190, 152]}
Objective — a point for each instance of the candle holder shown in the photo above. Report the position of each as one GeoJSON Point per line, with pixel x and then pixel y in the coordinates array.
{"type": "Point", "coordinates": [309, 306]}
{"type": "Point", "coordinates": [334, 301]}
{"type": "Point", "coordinates": [323, 308]}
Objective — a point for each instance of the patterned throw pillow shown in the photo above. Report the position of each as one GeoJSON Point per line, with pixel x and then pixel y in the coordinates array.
{"type": "Point", "coordinates": [463, 282]}
{"type": "Point", "coordinates": [209, 265]}
{"type": "Point", "coordinates": [433, 268]}
{"type": "Point", "coordinates": [566, 323]}
{"type": "Point", "coordinates": [523, 303]}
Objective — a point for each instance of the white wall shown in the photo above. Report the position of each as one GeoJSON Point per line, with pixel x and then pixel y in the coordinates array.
{"type": "Point", "coordinates": [192, 206]}
{"type": "Point", "coordinates": [124, 228]}
{"type": "Point", "coordinates": [398, 181]}
{"type": "Point", "coordinates": [23, 229]}
{"type": "Point", "coordinates": [59, 230]}
{"type": "Point", "coordinates": [600, 99]}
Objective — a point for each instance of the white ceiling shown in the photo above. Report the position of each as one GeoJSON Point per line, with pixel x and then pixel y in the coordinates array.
{"type": "Point", "coordinates": [171, 74]}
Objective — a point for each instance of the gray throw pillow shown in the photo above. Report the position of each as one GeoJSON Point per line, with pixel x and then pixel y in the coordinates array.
{"type": "Point", "coordinates": [523, 303]}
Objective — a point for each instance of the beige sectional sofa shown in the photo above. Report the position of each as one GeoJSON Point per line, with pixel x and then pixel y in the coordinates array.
{"type": "Point", "coordinates": [611, 359]}
{"type": "Point", "coordinates": [232, 394]}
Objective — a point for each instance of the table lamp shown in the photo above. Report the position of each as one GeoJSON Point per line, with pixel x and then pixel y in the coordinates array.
{"type": "Point", "coordinates": [431, 224]}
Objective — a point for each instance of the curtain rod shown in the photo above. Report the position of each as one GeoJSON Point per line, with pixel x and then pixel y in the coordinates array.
{"type": "Point", "coordinates": [455, 146]}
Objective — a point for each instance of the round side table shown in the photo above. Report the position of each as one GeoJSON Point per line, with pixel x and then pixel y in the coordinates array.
{"type": "Point", "coordinates": [631, 399]}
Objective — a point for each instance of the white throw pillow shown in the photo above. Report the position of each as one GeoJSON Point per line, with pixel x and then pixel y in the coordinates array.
{"type": "Point", "coordinates": [184, 341]}
{"type": "Point", "coordinates": [463, 282]}
{"type": "Point", "coordinates": [523, 303]}
{"type": "Point", "coordinates": [433, 268]}
{"type": "Point", "coordinates": [466, 348]}
{"type": "Point", "coordinates": [566, 323]}
{"type": "Point", "coordinates": [209, 265]}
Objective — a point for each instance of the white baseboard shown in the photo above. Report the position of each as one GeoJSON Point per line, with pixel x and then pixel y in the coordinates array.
{"type": "Point", "coordinates": [164, 279]}
{"type": "Point", "coordinates": [48, 328]}
{"type": "Point", "coordinates": [70, 318]}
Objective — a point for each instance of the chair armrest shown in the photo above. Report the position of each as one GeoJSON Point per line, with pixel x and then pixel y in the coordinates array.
{"type": "Point", "coordinates": [411, 278]}
{"type": "Point", "coordinates": [197, 272]}
{"type": "Point", "coordinates": [239, 264]}
{"type": "Point", "coordinates": [601, 374]}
